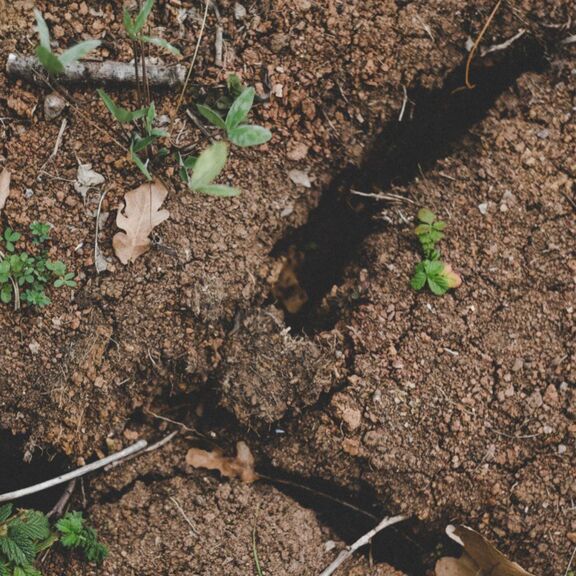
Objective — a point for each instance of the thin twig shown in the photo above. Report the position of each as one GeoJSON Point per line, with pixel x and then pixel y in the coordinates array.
{"type": "Point", "coordinates": [57, 144]}
{"type": "Point", "coordinates": [151, 448]}
{"type": "Point", "coordinates": [82, 471]}
{"type": "Point", "coordinates": [58, 508]}
{"type": "Point", "coordinates": [389, 197]}
{"type": "Point", "coordinates": [199, 125]}
{"type": "Point", "coordinates": [100, 262]}
{"type": "Point", "coordinates": [469, 85]}
{"type": "Point", "coordinates": [219, 36]}
{"type": "Point", "coordinates": [366, 539]}
{"type": "Point", "coordinates": [189, 74]}
{"type": "Point", "coordinates": [318, 493]}
{"type": "Point", "coordinates": [570, 562]}
{"type": "Point", "coordinates": [184, 515]}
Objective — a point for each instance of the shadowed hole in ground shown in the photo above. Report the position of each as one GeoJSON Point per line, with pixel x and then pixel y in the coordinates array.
{"type": "Point", "coordinates": [16, 474]}
{"type": "Point", "coordinates": [433, 128]}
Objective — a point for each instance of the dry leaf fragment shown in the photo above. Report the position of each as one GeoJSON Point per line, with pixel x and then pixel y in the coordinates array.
{"type": "Point", "coordinates": [300, 178]}
{"type": "Point", "coordinates": [87, 178]}
{"type": "Point", "coordinates": [240, 466]}
{"type": "Point", "coordinates": [140, 216]}
{"type": "Point", "coordinates": [479, 557]}
{"type": "Point", "coordinates": [4, 186]}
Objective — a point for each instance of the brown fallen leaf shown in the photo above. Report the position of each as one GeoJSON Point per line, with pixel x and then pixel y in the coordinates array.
{"type": "Point", "coordinates": [4, 186]}
{"type": "Point", "coordinates": [240, 466]}
{"type": "Point", "coordinates": [480, 558]}
{"type": "Point", "coordinates": [140, 216]}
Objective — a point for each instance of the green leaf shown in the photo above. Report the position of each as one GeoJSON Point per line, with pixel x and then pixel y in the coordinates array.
{"type": "Point", "coordinates": [70, 523]}
{"type": "Point", "coordinates": [42, 29]}
{"type": "Point", "coordinates": [219, 190]}
{"type": "Point", "coordinates": [6, 293]}
{"type": "Point", "coordinates": [34, 526]}
{"type": "Point", "coordinates": [77, 52]}
{"type": "Point", "coordinates": [209, 165]}
{"type": "Point", "coordinates": [440, 225]}
{"type": "Point", "coordinates": [5, 569]}
{"type": "Point", "coordinates": [141, 166]}
{"type": "Point", "coordinates": [162, 43]}
{"type": "Point", "coordinates": [121, 114]}
{"type": "Point", "coordinates": [422, 229]}
{"type": "Point", "coordinates": [188, 162]}
{"type": "Point", "coordinates": [143, 16]}
{"type": "Point", "coordinates": [438, 285]}
{"type": "Point", "coordinates": [234, 84]}
{"type": "Point", "coordinates": [419, 278]}
{"type": "Point", "coordinates": [58, 268]}
{"type": "Point", "coordinates": [249, 135]}
{"type": "Point", "coordinates": [5, 511]}
{"type": "Point", "coordinates": [49, 60]}
{"type": "Point", "coordinates": [212, 116]}
{"type": "Point", "coordinates": [129, 24]}
{"type": "Point", "coordinates": [433, 267]}
{"type": "Point", "coordinates": [140, 144]}
{"type": "Point", "coordinates": [240, 108]}
{"type": "Point", "coordinates": [427, 216]}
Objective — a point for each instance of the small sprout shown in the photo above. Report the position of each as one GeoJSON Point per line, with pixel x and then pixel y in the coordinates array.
{"type": "Point", "coordinates": [10, 238]}
{"type": "Point", "coordinates": [40, 232]}
{"type": "Point", "coordinates": [205, 169]}
{"type": "Point", "coordinates": [54, 63]}
{"type": "Point", "coordinates": [242, 135]}
{"type": "Point", "coordinates": [437, 275]}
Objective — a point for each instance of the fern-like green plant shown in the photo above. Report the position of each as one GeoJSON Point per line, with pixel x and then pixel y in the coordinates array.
{"type": "Point", "coordinates": [24, 534]}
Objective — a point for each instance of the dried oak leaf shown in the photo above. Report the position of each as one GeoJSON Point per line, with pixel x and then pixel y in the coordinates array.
{"type": "Point", "coordinates": [240, 466]}
{"type": "Point", "coordinates": [140, 216]}
{"type": "Point", "coordinates": [4, 186]}
{"type": "Point", "coordinates": [479, 557]}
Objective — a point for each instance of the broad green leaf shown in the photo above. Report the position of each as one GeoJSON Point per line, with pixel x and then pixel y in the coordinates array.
{"type": "Point", "coordinates": [212, 116]}
{"type": "Point", "coordinates": [42, 29]}
{"type": "Point", "coordinates": [422, 229]}
{"type": "Point", "coordinates": [121, 114]}
{"type": "Point", "coordinates": [440, 225]}
{"type": "Point", "coordinates": [234, 84]}
{"type": "Point", "coordinates": [208, 165]}
{"type": "Point", "coordinates": [240, 108]}
{"type": "Point", "coordinates": [6, 293]}
{"type": "Point", "coordinates": [79, 51]}
{"type": "Point", "coordinates": [218, 190]}
{"type": "Point", "coordinates": [433, 268]}
{"type": "Point", "coordinates": [419, 278]}
{"type": "Point", "coordinates": [162, 43]}
{"type": "Point", "coordinates": [436, 236]}
{"type": "Point", "coordinates": [57, 267]}
{"type": "Point", "coordinates": [143, 16]}
{"type": "Point", "coordinates": [248, 135]}
{"type": "Point", "coordinates": [140, 144]}
{"type": "Point", "coordinates": [5, 511]}
{"type": "Point", "coordinates": [427, 216]}
{"type": "Point", "coordinates": [49, 60]}
{"type": "Point", "coordinates": [150, 115]}
{"type": "Point", "coordinates": [188, 162]}
{"type": "Point", "coordinates": [438, 285]}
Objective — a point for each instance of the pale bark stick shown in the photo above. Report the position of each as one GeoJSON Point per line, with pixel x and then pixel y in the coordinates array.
{"type": "Point", "coordinates": [107, 72]}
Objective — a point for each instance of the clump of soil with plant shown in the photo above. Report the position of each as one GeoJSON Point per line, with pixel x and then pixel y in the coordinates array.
{"type": "Point", "coordinates": [287, 288]}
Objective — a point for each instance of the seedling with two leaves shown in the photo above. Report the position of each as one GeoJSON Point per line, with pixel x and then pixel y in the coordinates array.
{"type": "Point", "coordinates": [55, 63]}
{"type": "Point", "coordinates": [200, 173]}
{"type": "Point", "coordinates": [431, 270]}
{"type": "Point", "coordinates": [238, 133]}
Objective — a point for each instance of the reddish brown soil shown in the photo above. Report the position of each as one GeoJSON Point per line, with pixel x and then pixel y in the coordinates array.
{"type": "Point", "coordinates": [459, 408]}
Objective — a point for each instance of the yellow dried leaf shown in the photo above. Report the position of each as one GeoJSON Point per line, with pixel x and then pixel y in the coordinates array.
{"type": "Point", "coordinates": [479, 557]}
{"type": "Point", "coordinates": [240, 466]}
{"type": "Point", "coordinates": [140, 216]}
{"type": "Point", "coordinates": [453, 278]}
{"type": "Point", "coordinates": [4, 187]}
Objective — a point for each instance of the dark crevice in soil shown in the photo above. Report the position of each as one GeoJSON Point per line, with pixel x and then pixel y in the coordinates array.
{"type": "Point", "coordinates": [437, 125]}
{"type": "Point", "coordinates": [16, 474]}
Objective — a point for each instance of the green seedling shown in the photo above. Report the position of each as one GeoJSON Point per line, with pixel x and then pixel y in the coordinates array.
{"type": "Point", "coordinates": [199, 173]}
{"type": "Point", "coordinates": [25, 534]}
{"type": "Point", "coordinates": [55, 63]}
{"type": "Point", "coordinates": [24, 277]}
{"type": "Point", "coordinates": [234, 88]}
{"type": "Point", "coordinates": [238, 133]}
{"type": "Point", "coordinates": [431, 271]}
{"type": "Point", "coordinates": [135, 26]}
{"type": "Point", "coordinates": [40, 232]}
{"type": "Point", "coordinates": [144, 137]}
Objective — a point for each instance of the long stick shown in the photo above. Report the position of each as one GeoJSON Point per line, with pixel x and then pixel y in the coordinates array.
{"type": "Point", "coordinates": [345, 554]}
{"type": "Point", "coordinates": [140, 445]}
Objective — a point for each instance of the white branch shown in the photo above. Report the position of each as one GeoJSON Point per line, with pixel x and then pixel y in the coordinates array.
{"type": "Point", "coordinates": [140, 445]}
{"type": "Point", "coordinates": [366, 539]}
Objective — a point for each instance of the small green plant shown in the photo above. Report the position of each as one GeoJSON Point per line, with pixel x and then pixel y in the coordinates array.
{"type": "Point", "coordinates": [205, 169]}
{"type": "Point", "coordinates": [431, 270]}
{"type": "Point", "coordinates": [134, 27]}
{"type": "Point", "coordinates": [24, 277]}
{"type": "Point", "coordinates": [143, 137]}
{"type": "Point", "coordinates": [55, 63]}
{"type": "Point", "coordinates": [24, 534]}
{"type": "Point", "coordinates": [238, 133]}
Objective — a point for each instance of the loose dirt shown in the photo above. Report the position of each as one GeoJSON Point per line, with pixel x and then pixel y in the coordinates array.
{"type": "Point", "coordinates": [458, 408]}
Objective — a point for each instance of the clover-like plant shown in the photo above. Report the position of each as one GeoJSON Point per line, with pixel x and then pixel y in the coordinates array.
{"type": "Point", "coordinates": [199, 173]}
{"type": "Point", "coordinates": [238, 133]}
{"type": "Point", "coordinates": [24, 277]}
{"type": "Point", "coordinates": [431, 270]}
{"type": "Point", "coordinates": [55, 63]}
{"type": "Point", "coordinates": [25, 534]}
